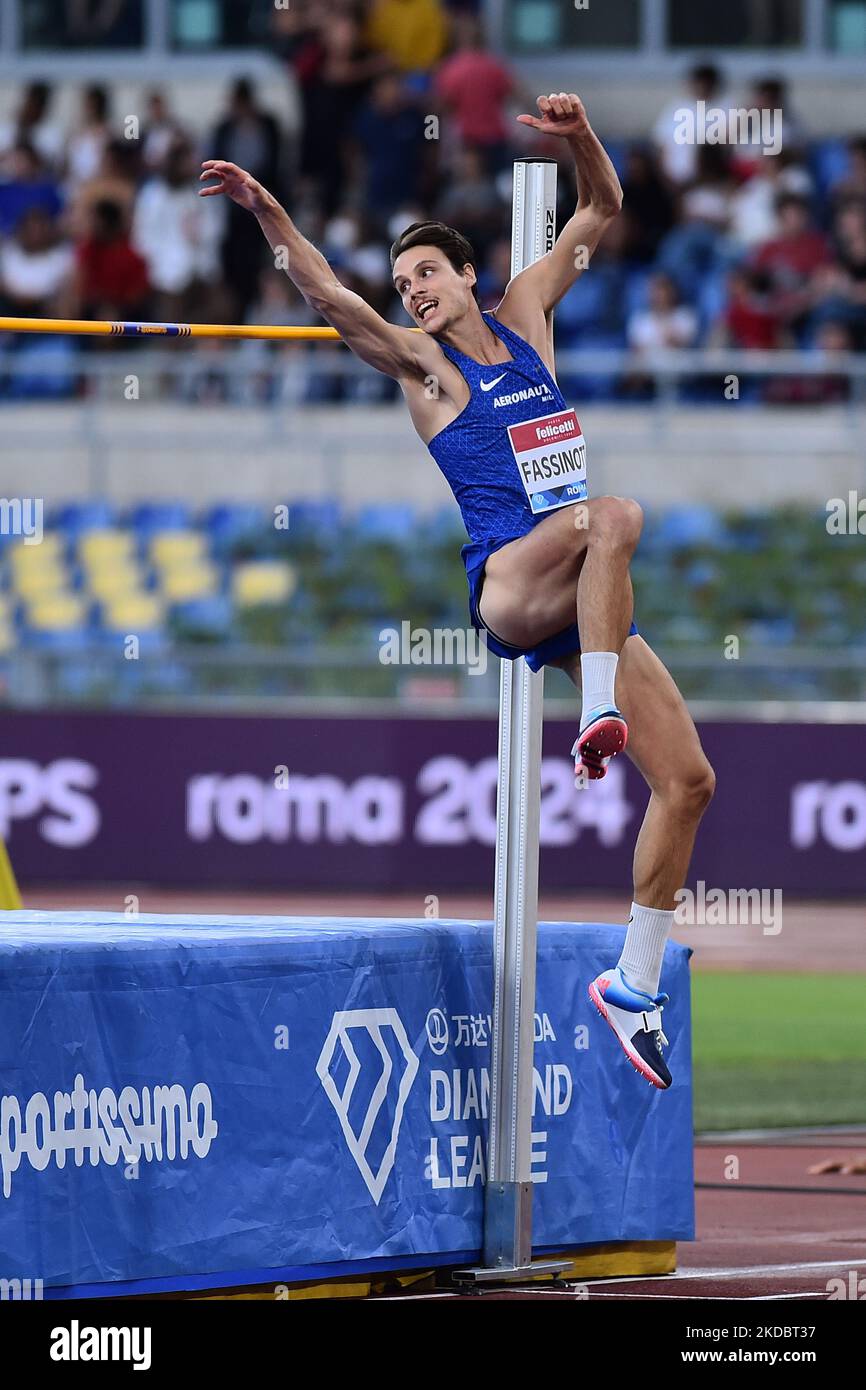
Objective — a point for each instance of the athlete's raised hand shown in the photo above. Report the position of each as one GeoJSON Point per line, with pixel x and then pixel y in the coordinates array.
{"type": "Point", "coordinates": [562, 113]}
{"type": "Point", "coordinates": [236, 183]}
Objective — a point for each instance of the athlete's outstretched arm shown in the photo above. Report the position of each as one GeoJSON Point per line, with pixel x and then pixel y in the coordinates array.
{"type": "Point", "coordinates": [599, 201]}
{"type": "Point", "coordinates": [395, 351]}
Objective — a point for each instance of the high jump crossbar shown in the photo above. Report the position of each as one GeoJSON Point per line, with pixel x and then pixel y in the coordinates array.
{"type": "Point", "coordinates": [105, 328]}
{"type": "Point", "coordinates": [508, 1191]}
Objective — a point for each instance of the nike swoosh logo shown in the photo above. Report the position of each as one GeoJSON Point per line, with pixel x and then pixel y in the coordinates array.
{"type": "Point", "coordinates": [489, 385]}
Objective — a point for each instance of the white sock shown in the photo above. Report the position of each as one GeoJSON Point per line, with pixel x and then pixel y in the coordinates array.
{"type": "Point", "coordinates": [597, 679]}
{"type": "Point", "coordinates": [641, 959]}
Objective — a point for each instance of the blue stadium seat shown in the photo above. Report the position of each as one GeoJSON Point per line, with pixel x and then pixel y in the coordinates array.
{"type": "Point", "coordinates": [41, 369]}
{"type": "Point", "coordinates": [150, 517]}
{"type": "Point", "coordinates": [684, 528]}
{"type": "Point", "coordinates": [231, 522]}
{"type": "Point", "coordinates": [314, 520]}
{"type": "Point", "coordinates": [209, 618]}
{"type": "Point", "coordinates": [386, 521]}
{"type": "Point", "coordinates": [829, 162]}
{"type": "Point", "coordinates": [75, 519]}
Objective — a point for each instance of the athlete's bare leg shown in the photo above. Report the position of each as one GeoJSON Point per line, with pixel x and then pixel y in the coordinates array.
{"type": "Point", "coordinates": [665, 748]}
{"type": "Point", "coordinates": [572, 565]}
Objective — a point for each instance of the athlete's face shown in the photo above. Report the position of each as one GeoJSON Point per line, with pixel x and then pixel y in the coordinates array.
{"type": "Point", "coordinates": [434, 294]}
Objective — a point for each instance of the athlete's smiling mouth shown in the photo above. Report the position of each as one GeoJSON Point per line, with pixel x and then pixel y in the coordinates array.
{"type": "Point", "coordinates": [427, 306]}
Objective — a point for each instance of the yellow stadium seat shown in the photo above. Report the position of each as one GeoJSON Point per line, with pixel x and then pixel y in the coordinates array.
{"type": "Point", "coordinates": [173, 549]}
{"type": "Point", "coordinates": [136, 613]}
{"type": "Point", "coordinates": [34, 581]}
{"type": "Point", "coordinates": [50, 548]}
{"type": "Point", "coordinates": [184, 582]}
{"type": "Point", "coordinates": [57, 613]}
{"type": "Point", "coordinates": [262, 581]}
{"type": "Point", "coordinates": [114, 581]}
{"type": "Point", "coordinates": [100, 548]}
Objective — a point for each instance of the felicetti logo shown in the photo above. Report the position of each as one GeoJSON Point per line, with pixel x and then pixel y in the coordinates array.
{"type": "Point", "coordinates": [391, 1071]}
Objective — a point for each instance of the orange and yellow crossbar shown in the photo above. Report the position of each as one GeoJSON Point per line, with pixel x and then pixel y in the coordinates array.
{"type": "Point", "coordinates": [107, 329]}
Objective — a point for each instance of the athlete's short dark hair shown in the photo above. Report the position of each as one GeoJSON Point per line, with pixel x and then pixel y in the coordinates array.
{"type": "Point", "coordinates": [452, 243]}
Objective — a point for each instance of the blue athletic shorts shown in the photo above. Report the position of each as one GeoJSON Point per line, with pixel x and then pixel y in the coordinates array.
{"type": "Point", "coordinates": [550, 650]}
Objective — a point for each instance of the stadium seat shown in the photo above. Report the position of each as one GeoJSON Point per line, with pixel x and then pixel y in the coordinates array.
{"type": "Point", "coordinates": [108, 582]}
{"type": "Point", "coordinates": [106, 545]}
{"type": "Point", "coordinates": [180, 583]}
{"type": "Point", "coordinates": [829, 162]}
{"type": "Point", "coordinates": [683, 528]}
{"type": "Point", "coordinates": [136, 613]}
{"type": "Point", "coordinates": [78, 518]}
{"type": "Point", "coordinates": [51, 547]}
{"type": "Point", "coordinates": [258, 582]}
{"type": "Point", "coordinates": [203, 619]}
{"type": "Point", "coordinates": [170, 549]}
{"type": "Point", "coordinates": [231, 523]}
{"type": "Point", "coordinates": [314, 520]}
{"type": "Point", "coordinates": [58, 621]}
{"type": "Point", "coordinates": [34, 572]}
{"type": "Point", "coordinates": [150, 517]}
{"type": "Point", "coordinates": [386, 521]}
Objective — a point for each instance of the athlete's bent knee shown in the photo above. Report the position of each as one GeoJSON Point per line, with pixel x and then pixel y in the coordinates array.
{"type": "Point", "coordinates": [693, 789]}
{"type": "Point", "coordinates": [615, 523]}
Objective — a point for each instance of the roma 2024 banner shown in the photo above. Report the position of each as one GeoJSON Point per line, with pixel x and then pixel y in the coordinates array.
{"type": "Point", "coordinates": [405, 803]}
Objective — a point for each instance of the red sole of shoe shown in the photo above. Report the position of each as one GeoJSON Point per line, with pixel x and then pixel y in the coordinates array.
{"type": "Point", "coordinates": [604, 739]}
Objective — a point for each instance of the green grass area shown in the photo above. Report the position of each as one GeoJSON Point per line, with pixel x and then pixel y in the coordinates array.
{"type": "Point", "coordinates": [778, 1049]}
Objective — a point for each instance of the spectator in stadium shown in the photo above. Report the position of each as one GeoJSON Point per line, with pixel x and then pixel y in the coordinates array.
{"type": "Point", "coordinates": [754, 218]}
{"type": "Point", "coordinates": [791, 260]}
{"type": "Point", "coordinates": [411, 33]}
{"type": "Point", "coordinates": [85, 148]}
{"type": "Point", "coordinates": [334, 68]}
{"type": "Point", "coordinates": [749, 319]}
{"type": "Point", "coordinates": [678, 158]}
{"type": "Point", "coordinates": [665, 323]}
{"type": "Point", "coordinates": [853, 185]}
{"type": "Point", "coordinates": [473, 86]}
{"type": "Point", "coordinates": [839, 288]}
{"type": "Point", "coordinates": [252, 136]}
{"type": "Point", "coordinates": [110, 278]}
{"type": "Point", "coordinates": [697, 247]}
{"type": "Point", "coordinates": [471, 201]}
{"type": "Point", "coordinates": [35, 263]}
{"type": "Point", "coordinates": [494, 273]}
{"type": "Point", "coordinates": [27, 184]}
{"type": "Point", "coordinates": [115, 181]}
{"type": "Point", "coordinates": [770, 95]}
{"type": "Point", "coordinates": [31, 125]}
{"type": "Point", "coordinates": [178, 236]}
{"type": "Point", "coordinates": [389, 131]}
{"type": "Point", "coordinates": [832, 338]}
{"type": "Point", "coordinates": [648, 208]}
{"type": "Point", "coordinates": [161, 129]}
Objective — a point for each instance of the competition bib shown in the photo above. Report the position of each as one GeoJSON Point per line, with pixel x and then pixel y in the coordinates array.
{"type": "Point", "coordinates": [550, 454]}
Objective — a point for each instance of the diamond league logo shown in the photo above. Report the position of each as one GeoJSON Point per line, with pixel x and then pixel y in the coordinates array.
{"type": "Point", "coordinates": [373, 1021]}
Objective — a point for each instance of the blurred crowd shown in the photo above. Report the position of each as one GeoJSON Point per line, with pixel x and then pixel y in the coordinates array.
{"type": "Point", "coordinates": [405, 114]}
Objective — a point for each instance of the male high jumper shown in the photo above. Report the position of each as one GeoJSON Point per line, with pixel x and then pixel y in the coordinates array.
{"type": "Point", "coordinates": [548, 570]}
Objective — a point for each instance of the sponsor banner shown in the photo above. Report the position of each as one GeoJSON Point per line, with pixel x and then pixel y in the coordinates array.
{"type": "Point", "coordinates": [401, 803]}
{"type": "Point", "coordinates": [218, 1097]}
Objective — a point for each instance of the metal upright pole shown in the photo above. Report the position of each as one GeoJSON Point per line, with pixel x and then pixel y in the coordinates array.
{"type": "Point", "coordinates": [508, 1195]}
